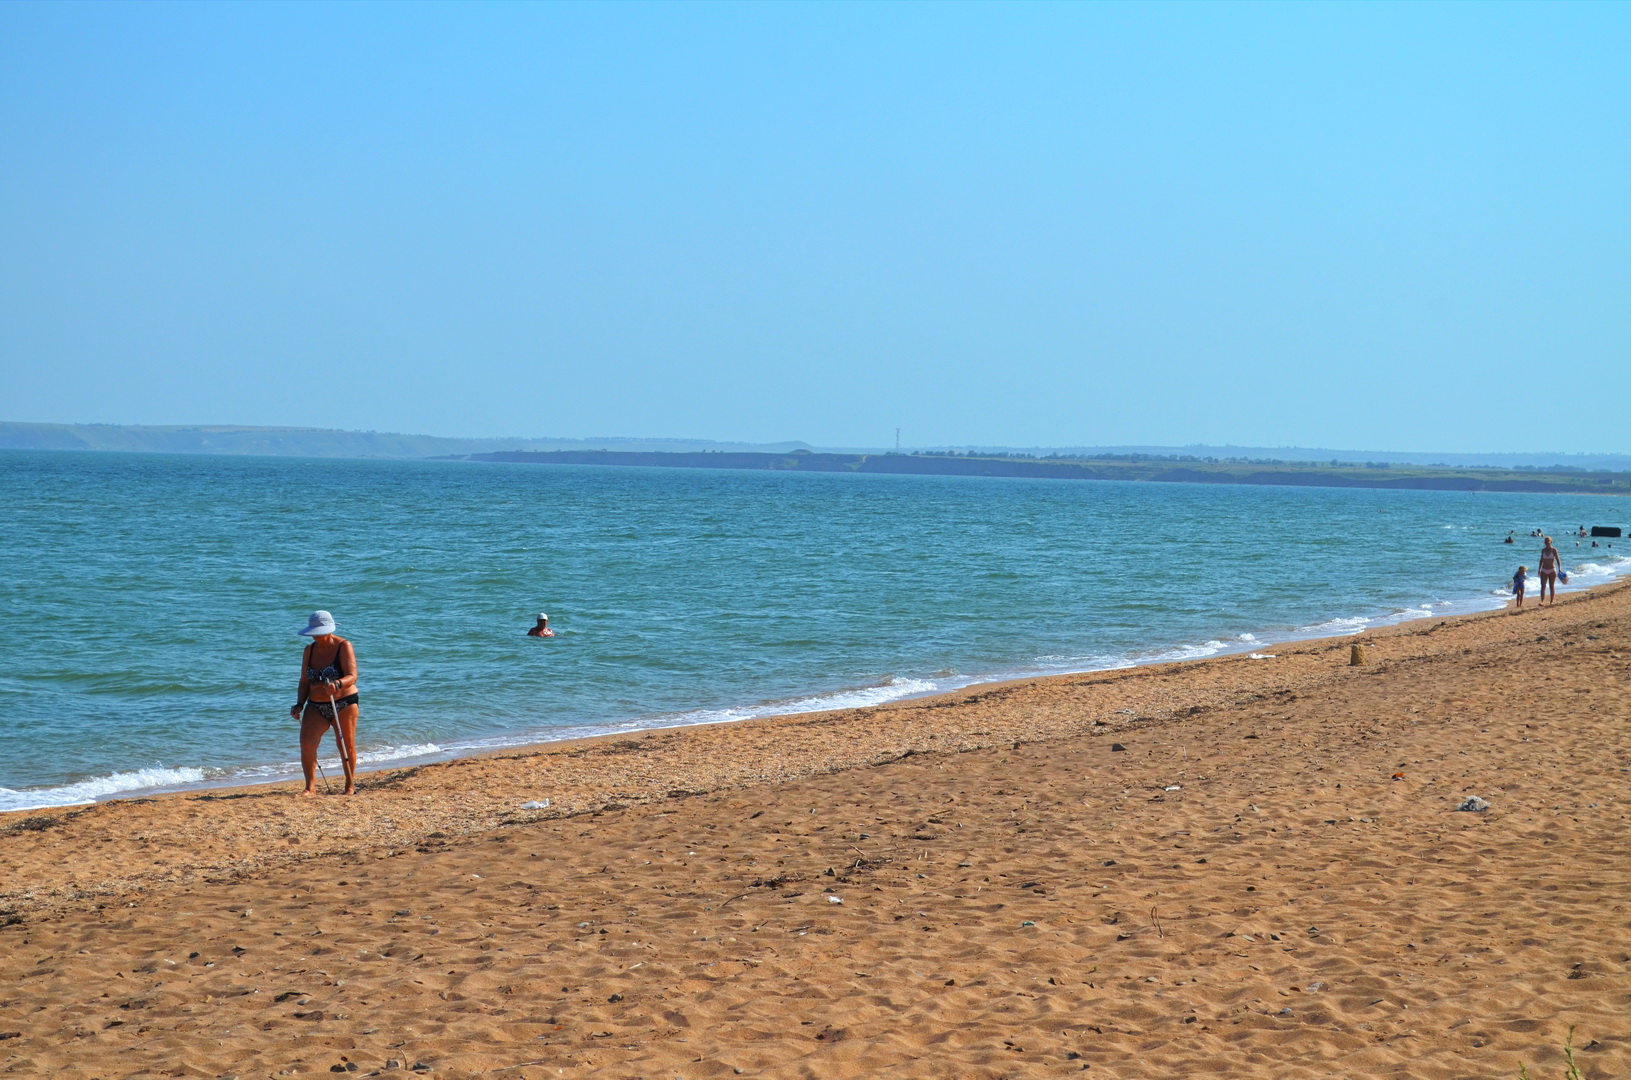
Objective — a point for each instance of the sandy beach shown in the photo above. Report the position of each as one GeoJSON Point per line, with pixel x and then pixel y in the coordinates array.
{"type": "Point", "coordinates": [1232, 867]}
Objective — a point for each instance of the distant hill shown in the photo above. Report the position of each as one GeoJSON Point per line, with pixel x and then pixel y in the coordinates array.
{"type": "Point", "coordinates": [316, 442]}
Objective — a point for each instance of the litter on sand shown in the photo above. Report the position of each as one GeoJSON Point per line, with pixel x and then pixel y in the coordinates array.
{"type": "Point", "coordinates": [1261, 656]}
{"type": "Point", "coordinates": [536, 804]}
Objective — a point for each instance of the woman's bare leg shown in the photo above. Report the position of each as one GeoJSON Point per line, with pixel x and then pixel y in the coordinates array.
{"type": "Point", "coordinates": [348, 753]}
{"type": "Point", "coordinates": [312, 726]}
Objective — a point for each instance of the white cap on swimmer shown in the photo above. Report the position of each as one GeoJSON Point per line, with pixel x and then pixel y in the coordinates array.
{"type": "Point", "coordinates": [542, 617]}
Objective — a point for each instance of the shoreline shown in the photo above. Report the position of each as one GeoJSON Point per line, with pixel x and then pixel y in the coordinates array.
{"type": "Point", "coordinates": [1207, 682]}
{"type": "Point", "coordinates": [1470, 606]}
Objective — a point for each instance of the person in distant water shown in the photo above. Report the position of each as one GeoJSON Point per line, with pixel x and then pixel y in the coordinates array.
{"type": "Point", "coordinates": [327, 698]}
{"type": "Point", "coordinates": [1550, 563]}
{"type": "Point", "coordinates": [1518, 581]}
{"type": "Point", "coordinates": [1509, 540]}
{"type": "Point", "coordinates": [542, 629]}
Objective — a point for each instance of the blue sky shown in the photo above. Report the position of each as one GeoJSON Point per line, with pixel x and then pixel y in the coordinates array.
{"type": "Point", "coordinates": [1377, 226]}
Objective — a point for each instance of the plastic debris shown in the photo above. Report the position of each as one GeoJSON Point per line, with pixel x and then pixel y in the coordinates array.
{"type": "Point", "coordinates": [834, 900]}
{"type": "Point", "coordinates": [1474, 804]}
{"type": "Point", "coordinates": [536, 804]}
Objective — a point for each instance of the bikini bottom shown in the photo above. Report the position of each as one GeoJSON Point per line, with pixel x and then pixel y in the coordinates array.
{"type": "Point", "coordinates": [325, 709]}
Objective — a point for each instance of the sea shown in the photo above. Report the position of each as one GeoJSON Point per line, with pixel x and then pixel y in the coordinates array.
{"type": "Point", "coordinates": [152, 601]}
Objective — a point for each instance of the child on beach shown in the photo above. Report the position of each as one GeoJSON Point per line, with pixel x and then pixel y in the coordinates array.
{"type": "Point", "coordinates": [1518, 581]}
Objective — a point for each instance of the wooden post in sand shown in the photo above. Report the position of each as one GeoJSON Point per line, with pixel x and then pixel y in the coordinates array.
{"type": "Point", "coordinates": [1357, 657]}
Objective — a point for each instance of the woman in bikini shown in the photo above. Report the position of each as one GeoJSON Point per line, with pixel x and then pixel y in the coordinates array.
{"type": "Point", "coordinates": [327, 698]}
{"type": "Point", "coordinates": [1550, 563]}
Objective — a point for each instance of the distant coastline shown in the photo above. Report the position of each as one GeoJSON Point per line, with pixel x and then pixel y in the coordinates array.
{"type": "Point", "coordinates": [245, 440]}
{"type": "Point", "coordinates": [1383, 476]}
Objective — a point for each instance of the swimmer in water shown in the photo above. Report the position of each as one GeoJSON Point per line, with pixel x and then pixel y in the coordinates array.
{"type": "Point", "coordinates": [542, 629]}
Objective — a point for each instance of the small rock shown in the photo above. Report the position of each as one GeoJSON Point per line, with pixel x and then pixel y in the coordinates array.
{"type": "Point", "coordinates": [394, 1063]}
{"type": "Point", "coordinates": [615, 998]}
{"type": "Point", "coordinates": [1117, 746]}
{"type": "Point", "coordinates": [536, 804]}
{"type": "Point", "coordinates": [1473, 804]}
{"type": "Point", "coordinates": [834, 900]}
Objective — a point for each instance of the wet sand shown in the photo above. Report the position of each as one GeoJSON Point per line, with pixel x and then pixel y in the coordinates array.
{"type": "Point", "coordinates": [1270, 879]}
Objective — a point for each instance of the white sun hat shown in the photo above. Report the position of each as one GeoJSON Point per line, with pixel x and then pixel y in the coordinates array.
{"type": "Point", "coordinates": [320, 623]}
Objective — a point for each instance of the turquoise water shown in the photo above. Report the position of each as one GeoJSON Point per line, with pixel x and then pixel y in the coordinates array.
{"type": "Point", "coordinates": [152, 600]}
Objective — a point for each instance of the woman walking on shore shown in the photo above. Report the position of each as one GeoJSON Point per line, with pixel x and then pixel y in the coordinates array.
{"type": "Point", "coordinates": [1550, 563]}
{"type": "Point", "coordinates": [325, 698]}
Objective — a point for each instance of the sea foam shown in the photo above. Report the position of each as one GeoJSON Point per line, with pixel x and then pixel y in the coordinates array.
{"type": "Point", "coordinates": [88, 791]}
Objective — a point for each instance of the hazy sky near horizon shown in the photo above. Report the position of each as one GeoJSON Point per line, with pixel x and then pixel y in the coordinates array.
{"type": "Point", "coordinates": [1371, 226]}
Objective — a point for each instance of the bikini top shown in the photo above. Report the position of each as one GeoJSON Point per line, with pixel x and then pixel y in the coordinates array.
{"type": "Point", "coordinates": [332, 673]}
